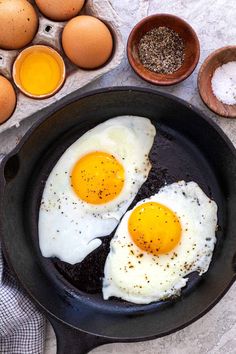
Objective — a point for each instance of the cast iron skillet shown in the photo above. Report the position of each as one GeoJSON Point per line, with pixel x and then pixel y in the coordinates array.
{"type": "Point", "coordinates": [190, 147]}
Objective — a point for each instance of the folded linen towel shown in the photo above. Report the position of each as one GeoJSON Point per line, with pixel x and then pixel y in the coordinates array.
{"type": "Point", "coordinates": [22, 326]}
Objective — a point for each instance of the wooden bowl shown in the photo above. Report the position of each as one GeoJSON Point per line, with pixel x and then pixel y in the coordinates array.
{"type": "Point", "coordinates": [213, 61]}
{"type": "Point", "coordinates": [191, 51]}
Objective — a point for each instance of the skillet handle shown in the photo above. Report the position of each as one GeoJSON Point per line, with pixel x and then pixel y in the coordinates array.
{"type": "Point", "coordinates": [73, 341]}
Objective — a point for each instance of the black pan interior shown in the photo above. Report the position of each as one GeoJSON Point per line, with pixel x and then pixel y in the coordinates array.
{"type": "Point", "coordinates": [173, 158]}
{"type": "Point", "coordinates": [188, 146]}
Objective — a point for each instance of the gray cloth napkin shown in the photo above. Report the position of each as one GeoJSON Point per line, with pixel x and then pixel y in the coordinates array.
{"type": "Point", "coordinates": [22, 326]}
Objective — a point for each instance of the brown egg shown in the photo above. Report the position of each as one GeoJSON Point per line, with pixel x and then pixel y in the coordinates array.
{"type": "Point", "coordinates": [60, 10]}
{"type": "Point", "coordinates": [18, 23]}
{"type": "Point", "coordinates": [7, 99]}
{"type": "Point", "coordinates": [87, 42]}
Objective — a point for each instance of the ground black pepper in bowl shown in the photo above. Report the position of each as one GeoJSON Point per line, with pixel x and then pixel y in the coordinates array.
{"type": "Point", "coordinates": [161, 50]}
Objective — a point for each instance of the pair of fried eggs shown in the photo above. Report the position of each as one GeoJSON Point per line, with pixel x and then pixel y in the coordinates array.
{"type": "Point", "coordinates": [157, 243]}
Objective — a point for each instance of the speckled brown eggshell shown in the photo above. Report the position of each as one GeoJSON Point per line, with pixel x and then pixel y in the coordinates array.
{"type": "Point", "coordinates": [60, 10]}
{"type": "Point", "coordinates": [7, 99]}
{"type": "Point", "coordinates": [87, 42]}
{"type": "Point", "coordinates": [18, 23]}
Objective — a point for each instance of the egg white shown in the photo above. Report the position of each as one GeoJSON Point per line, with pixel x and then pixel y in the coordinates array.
{"type": "Point", "coordinates": [68, 227]}
{"type": "Point", "coordinates": [140, 277]}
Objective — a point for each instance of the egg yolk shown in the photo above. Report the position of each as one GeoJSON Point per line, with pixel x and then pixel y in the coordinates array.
{"type": "Point", "coordinates": [40, 73]}
{"type": "Point", "coordinates": [154, 228]}
{"type": "Point", "coordinates": [97, 177]}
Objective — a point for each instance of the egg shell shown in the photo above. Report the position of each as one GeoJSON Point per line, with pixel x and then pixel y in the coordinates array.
{"type": "Point", "coordinates": [60, 10]}
{"type": "Point", "coordinates": [87, 42]}
{"type": "Point", "coordinates": [18, 23]}
{"type": "Point", "coordinates": [7, 99]}
{"type": "Point", "coordinates": [39, 71]}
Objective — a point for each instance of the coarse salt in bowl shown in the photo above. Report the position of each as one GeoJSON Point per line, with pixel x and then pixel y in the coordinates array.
{"type": "Point", "coordinates": [217, 81]}
{"type": "Point", "coordinates": [223, 83]}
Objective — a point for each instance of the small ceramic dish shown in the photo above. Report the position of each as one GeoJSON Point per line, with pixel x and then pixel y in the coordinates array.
{"type": "Point", "coordinates": [213, 61]}
{"type": "Point", "coordinates": [191, 51]}
{"type": "Point", "coordinates": [51, 53]}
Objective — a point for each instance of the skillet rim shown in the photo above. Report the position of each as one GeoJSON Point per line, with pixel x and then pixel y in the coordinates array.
{"type": "Point", "coordinates": [45, 115]}
{"type": "Point", "coordinates": [64, 103]}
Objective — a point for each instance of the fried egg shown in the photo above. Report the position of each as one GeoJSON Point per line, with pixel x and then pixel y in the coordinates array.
{"type": "Point", "coordinates": [92, 185]}
{"type": "Point", "coordinates": [159, 242]}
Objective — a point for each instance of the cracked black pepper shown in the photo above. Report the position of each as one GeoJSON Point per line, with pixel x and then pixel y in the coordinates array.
{"type": "Point", "coordinates": [161, 50]}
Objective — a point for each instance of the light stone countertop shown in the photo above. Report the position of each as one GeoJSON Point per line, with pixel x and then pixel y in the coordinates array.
{"type": "Point", "coordinates": [214, 22]}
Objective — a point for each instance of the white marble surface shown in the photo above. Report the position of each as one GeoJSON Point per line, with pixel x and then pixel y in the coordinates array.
{"type": "Point", "coordinates": [214, 22]}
